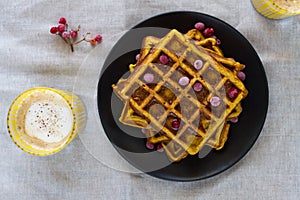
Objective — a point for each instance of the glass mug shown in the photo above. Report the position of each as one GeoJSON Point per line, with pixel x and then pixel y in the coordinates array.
{"type": "Point", "coordinates": [277, 9]}
{"type": "Point", "coordinates": [42, 121]}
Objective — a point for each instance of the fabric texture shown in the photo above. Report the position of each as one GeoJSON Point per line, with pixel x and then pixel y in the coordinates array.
{"type": "Point", "coordinates": [30, 56]}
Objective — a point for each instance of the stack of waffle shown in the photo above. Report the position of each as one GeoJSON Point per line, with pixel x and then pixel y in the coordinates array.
{"type": "Point", "coordinates": [182, 92]}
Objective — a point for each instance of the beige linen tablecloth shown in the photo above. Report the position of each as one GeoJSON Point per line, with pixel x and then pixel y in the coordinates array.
{"type": "Point", "coordinates": [30, 56]}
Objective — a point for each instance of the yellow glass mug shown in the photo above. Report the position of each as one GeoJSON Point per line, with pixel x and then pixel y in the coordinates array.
{"type": "Point", "coordinates": [42, 121]}
{"type": "Point", "coordinates": [277, 9]}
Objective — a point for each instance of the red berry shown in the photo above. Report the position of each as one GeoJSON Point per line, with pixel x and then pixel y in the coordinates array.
{"type": "Point", "coordinates": [159, 148]}
{"type": "Point", "coordinates": [234, 120]}
{"type": "Point", "coordinates": [73, 34]}
{"type": "Point", "coordinates": [61, 28]}
{"type": "Point", "coordinates": [62, 20]}
{"type": "Point", "coordinates": [164, 59]}
{"type": "Point", "coordinates": [208, 32]}
{"type": "Point", "coordinates": [198, 64]}
{"type": "Point", "coordinates": [175, 124]}
{"type": "Point", "coordinates": [218, 42]}
{"type": "Point", "coordinates": [215, 101]}
{"type": "Point", "coordinates": [183, 81]}
{"type": "Point", "coordinates": [197, 87]}
{"type": "Point", "coordinates": [200, 26]}
{"type": "Point", "coordinates": [149, 145]}
{"type": "Point", "coordinates": [233, 92]}
{"type": "Point", "coordinates": [98, 38]}
{"type": "Point", "coordinates": [242, 76]}
{"type": "Point", "coordinates": [65, 34]}
{"type": "Point", "coordinates": [148, 77]}
{"type": "Point", "coordinates": [53, 30]}
{"type": "Point", "coordinates": [137, 57]}
{"type": "Point", "coordinates": [93, 41]}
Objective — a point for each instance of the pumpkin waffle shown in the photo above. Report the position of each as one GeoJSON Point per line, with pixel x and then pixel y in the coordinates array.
{"type": "Point", "coordinates": [156, 96]}
{"type": "Point", "coordinates": [210, 46]}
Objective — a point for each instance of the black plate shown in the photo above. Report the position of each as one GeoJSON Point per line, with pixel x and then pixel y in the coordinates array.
{"type": "Point", "coordinates": [242, 135]}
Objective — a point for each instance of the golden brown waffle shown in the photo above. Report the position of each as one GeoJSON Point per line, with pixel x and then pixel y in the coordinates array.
{"type": "Point", "coordinates": [200, 123]}
{"type": "Point", "coordinates": [210, 46]}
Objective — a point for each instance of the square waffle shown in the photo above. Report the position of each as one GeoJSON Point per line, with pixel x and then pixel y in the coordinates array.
{"type": "Point", "coordinates": [210, 46]}
{"type": "Point", "coordinates": [154, 103]}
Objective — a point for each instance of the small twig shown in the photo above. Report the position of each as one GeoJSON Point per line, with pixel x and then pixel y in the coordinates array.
{"type": "Point", "coordinates": [68, 42]}
{"type": "Point", "coordinates": [78, 28]}
{"type": "Point", "coordinates": [77, 42]}
{"type": "Point", "coordinates": [71, 45]}
{"type": "Point", "coordinates": [62, 38]}
{"type": "Point", "coordinates": [83, 38]}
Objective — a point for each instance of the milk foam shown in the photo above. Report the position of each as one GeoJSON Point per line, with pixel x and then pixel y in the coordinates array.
{"type": "Point", "coordinates": [48, 121]}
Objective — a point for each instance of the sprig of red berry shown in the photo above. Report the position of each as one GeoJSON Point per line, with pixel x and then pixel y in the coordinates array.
{"type": "Point", "coordinates": [71, 36]}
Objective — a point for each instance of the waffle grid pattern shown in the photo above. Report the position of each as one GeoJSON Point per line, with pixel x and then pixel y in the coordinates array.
{"type": "Point", "coordinates": [183, 52]}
